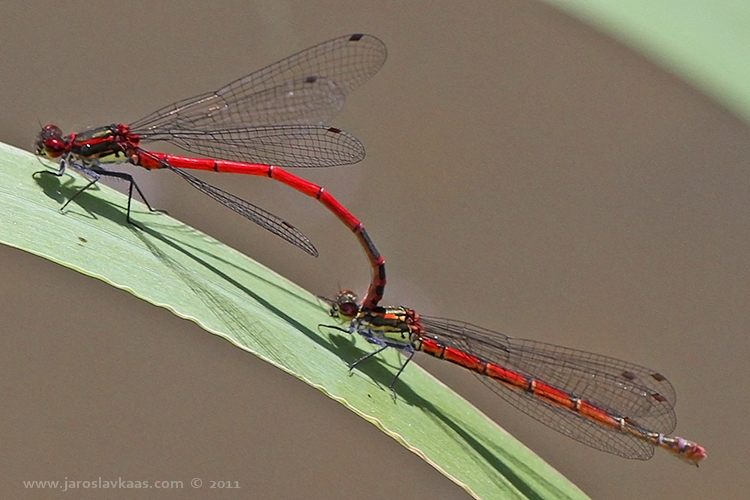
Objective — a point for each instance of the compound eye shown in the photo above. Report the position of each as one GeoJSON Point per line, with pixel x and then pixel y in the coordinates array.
{"type": "Point", "coordinates": [49, 131]}
{"type": "Point", "coordinates": [50, 141]}
{"type": "Point", "coordinates": [348, 309]}
{"type": "Point", "coordinates": [346, 304]}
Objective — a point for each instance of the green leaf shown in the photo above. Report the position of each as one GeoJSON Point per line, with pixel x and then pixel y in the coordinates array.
{"type": "Point", "coordinates": [705, 43]}
{"type": "Point", "coordinates": [177, 267]}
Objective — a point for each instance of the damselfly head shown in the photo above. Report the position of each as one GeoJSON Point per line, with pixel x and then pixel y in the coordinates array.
{"type": "Point", "coordinates": [50, 142]}
{"type": "Point", "coordinates": [345, 305]}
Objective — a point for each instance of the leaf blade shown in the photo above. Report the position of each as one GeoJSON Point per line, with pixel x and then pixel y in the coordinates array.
{"type": "Point", "coordinates": [174, 266]}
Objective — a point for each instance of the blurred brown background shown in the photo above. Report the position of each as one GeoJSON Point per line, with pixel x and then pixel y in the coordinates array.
{"type": "Point", "coordinates": [524, 172]}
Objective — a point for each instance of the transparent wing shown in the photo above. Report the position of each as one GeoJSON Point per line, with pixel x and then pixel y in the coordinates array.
{"type": "Point", "coordinates": [620, 388]}
{"type": "Point", "coordinates": [307, 88]}
{"type": "Point", "coordinates": [282, 145]}
{"type": "Point", "coordinates": [264, 219]}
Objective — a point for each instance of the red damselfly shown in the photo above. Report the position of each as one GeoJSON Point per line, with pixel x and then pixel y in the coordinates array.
{"type": "Point", "coordinates": [603, 402]}
{"type": "Point", "coordinates": [268, 119]}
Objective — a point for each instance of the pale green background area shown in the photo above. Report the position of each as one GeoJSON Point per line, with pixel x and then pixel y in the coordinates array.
{"type": "Point", "coordinates": [524, 172]}
{"type": "Point", "coordinates": [705, 43]}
